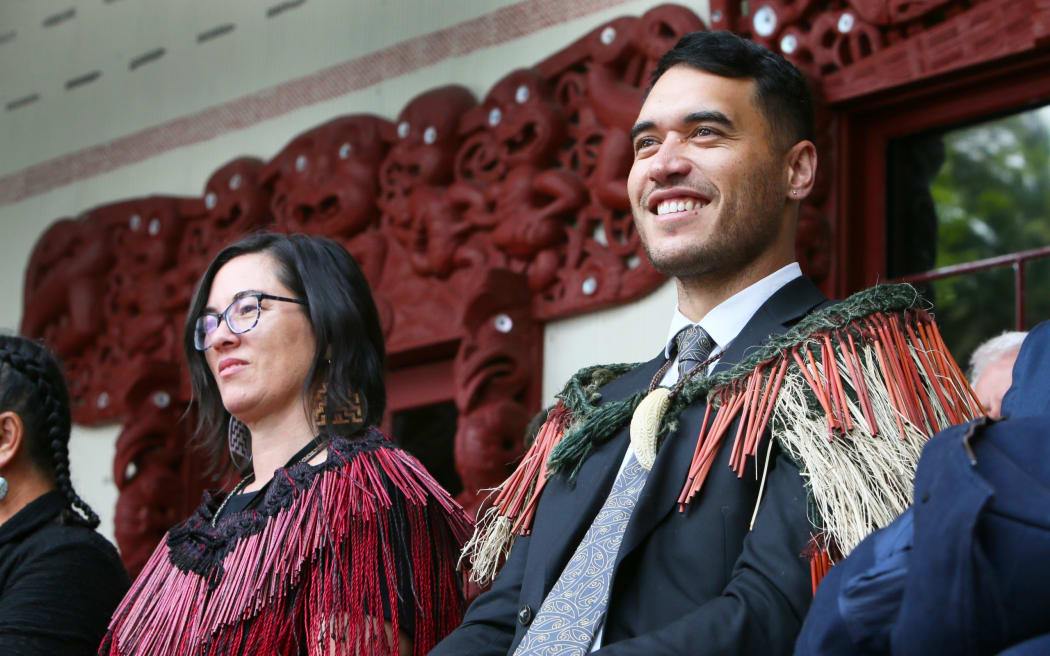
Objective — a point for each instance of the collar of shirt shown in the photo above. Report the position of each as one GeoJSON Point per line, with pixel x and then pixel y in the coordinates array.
{"type": "Point", "coordinates": [725, 321]}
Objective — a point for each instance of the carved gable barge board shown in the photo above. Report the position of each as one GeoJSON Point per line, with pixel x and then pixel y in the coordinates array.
{"type": "Point", "coordinates": [474, 220]}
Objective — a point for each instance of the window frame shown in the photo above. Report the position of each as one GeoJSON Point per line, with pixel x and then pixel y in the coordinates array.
{"type": "Point", "coordinates": [867, 126]}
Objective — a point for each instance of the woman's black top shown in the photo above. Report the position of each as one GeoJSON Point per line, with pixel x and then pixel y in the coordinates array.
{"type": "Point", "coordinates": [59, 582]}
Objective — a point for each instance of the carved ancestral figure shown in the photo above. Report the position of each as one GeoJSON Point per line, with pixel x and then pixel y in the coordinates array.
{"type": "Point", "coordinates": [494, 381]}
{"type": "Point", "coordinates": [528, 183]}
{"type": "Point", "coordinates": [324, 181]}
{"type": "Point", "coordinates": [416, 209]}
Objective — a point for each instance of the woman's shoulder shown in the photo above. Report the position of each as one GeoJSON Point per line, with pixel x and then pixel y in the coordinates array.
{"type": "Point", "coordinates": [71, 537]}
{"type": "Point", "coordinates": [365, 442]}
{"type": "Point", "coordinates": [377, 466]}
{"type": "Point", "coordinates": [368, 463]}
{"type": "Point", "coordinates": [373, 452]}
{"type": "Point", "coordinates": [68, 549]}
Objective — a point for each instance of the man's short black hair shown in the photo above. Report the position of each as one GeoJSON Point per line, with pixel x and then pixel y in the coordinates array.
{"type": "Point", "coordinates": [781, 92]}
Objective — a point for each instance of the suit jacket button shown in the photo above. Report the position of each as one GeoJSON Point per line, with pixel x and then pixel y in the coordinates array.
{"type": "Point", "coordinates": [525, 615]}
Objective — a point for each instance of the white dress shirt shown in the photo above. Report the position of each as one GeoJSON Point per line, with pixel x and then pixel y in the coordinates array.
{"type": "Point", "coordinates": [723, 323]}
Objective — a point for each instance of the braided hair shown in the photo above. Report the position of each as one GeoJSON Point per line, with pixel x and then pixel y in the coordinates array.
{"type": "Point", "coordinates": [31, 384]}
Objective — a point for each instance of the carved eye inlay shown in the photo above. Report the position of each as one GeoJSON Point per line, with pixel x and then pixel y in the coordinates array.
{"type": "Point", "coordinates": [403, 128]}
{"type": "Point", "coordinates": [300, 163]}
{"type": "Point", "coordinates": [430, 135]}
{"type": "Point", "coordinates": [503, 323]}
{"type": "Point", "coordinates": [495, 116]}
{"type": "Point", "coordinates": [589, 286]}
{"type": "Point", "coordinates": [521, 95]}
{"type": "Point", "coordinates": [765, 21]}
{"type": "Point", "coordinates": [344, 150]}
{"type": "Point", "coordinates": [845, 22]}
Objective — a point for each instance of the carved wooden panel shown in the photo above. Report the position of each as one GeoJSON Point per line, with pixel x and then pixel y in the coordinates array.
{"type": "Point", "coordinates": [856, 47]}
{"type": "Point", "coordinates": [475, 220]}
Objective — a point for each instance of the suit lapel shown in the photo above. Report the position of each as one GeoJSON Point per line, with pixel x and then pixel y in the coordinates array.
{"type": "Point", "coordinates": [660, 495]}
{"type": "Point", "coordinates": [574, 506]}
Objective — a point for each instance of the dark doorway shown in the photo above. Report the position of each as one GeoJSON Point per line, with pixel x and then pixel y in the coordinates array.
{"type": "Point", "coordinates": [428, 432]}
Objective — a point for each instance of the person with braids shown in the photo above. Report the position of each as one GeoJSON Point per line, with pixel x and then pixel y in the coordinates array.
{"type": "Point", "coordinates": [334, 541]}
{"type": "Point", "coordinates": [59, 579]}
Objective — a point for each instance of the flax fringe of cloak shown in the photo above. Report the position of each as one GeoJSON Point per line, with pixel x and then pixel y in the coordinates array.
{"type": "Point", "coordinates": [851, 393]}
{"type": "Point", "coordinates": [311, 570]}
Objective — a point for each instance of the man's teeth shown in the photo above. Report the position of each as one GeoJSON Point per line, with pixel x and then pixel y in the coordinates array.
{"type": "Point", "coordinates": [687, 205]}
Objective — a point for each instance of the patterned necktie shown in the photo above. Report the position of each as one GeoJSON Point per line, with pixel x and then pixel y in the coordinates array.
{"type": "Point", "coordinates": [694, 347]}
{"type": "Point", "coordinates": [573, 610]}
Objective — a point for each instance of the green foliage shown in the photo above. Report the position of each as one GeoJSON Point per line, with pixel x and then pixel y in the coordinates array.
{"type": "Point", "coordinates": [992, 197]}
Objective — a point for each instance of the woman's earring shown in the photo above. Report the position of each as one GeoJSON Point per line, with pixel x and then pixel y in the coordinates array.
{"type": "Point", "coordinates": [338, 420]}
{"type": "Point", "coordinates": [3, 487]}
{"type": "Point", "coordinates": [239, 439]}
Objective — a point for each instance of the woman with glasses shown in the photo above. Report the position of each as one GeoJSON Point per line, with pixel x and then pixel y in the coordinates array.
{"type": "Point", "coordinates": [333, 541]}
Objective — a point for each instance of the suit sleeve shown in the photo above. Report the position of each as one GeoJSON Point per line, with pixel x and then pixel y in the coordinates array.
{"type": "Point", "coordinates": [60, 600]}
{"type": "Point", "coordinates": [491, 621]}
{"type": "Point", "coordinates": [761, 609]}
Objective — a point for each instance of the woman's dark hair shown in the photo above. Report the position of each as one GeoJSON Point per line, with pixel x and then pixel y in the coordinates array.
{"type": "Point", "coordinates": [31, 385]}
{"type": "Point", "coordinates": [781, 92]}
{"type": "Point", "coordinates": [350, 355]}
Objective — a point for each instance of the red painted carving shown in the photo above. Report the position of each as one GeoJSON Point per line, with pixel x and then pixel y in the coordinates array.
{"type": "Point", "coordinates": [493, 379]}
{"type": "Point", "coordinates": [417, 211]}
{"type": "Point", "coordinates": [325, 182]}
{"type": "Point", "coordinates": [857, 47]}
{"type": "Point", "coordinates": [108, 292]}
{"type": "Point", "coordinates": [158, 478]}
{"type": "Point", "coordinates": [474, 222]}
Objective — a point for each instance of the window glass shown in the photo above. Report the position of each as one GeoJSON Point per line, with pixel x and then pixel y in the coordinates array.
{"type": "Point", "coordinates": [970, 193]}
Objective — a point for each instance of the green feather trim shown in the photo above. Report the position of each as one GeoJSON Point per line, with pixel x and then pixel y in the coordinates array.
{"type": "Point", "coordinates": [594, 423]}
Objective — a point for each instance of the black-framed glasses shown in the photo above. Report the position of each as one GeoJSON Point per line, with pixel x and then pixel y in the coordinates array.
{"type": "Point", "coordinates": [241, 316]}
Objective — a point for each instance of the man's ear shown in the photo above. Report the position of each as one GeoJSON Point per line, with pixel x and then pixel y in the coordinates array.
{"type": "Point", "coordinates": [801, 169]}
{"type": "Point", "coordinates": [11, 433]}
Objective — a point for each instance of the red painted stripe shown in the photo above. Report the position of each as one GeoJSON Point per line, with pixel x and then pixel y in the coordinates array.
{"type": "Point", "coordinates": [492, 29]}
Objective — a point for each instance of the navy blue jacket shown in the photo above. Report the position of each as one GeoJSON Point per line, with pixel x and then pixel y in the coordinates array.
{"type": "Point", "coordinates": [966, 570]}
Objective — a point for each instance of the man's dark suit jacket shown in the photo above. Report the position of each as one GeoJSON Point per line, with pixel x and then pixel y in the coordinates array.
{"type": "Point", "coordinates": [697, 582]}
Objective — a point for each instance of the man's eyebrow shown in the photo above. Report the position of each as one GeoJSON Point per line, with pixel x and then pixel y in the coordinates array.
{"type": "Point", "coordinates": [640, 128]}
{"type": "Point", "coordinates": [709, 116]}
{"type": "Point", "coordinates": [703, 116]}
{"type": "Point", "coordinates": [236, 297]}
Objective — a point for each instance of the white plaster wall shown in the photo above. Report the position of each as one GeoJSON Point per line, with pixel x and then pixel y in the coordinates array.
{"type": "Point", "coordinates": [630, 333]}
{"type": "Point", "coordinates": [191, 76]}
{"type": "Point", "coordinates": [257, 55]}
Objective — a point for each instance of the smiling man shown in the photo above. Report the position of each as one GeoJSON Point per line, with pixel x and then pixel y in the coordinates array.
{"type": "Point", "coordinates": [723, 155]}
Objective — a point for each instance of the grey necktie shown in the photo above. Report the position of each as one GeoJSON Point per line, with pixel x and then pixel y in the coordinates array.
{"type": "Point", "coordinates": [573, 610]}
{"type": "Point", "coordinates": [694, 347]}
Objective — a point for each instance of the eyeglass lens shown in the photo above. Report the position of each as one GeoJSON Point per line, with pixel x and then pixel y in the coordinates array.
{"type": "Point", "coordinates": [241, 316]}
